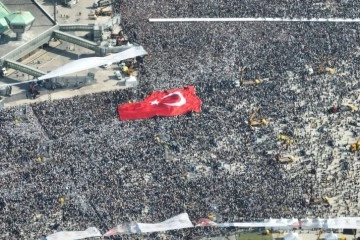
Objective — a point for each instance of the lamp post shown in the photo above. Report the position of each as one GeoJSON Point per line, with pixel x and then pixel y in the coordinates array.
{"type": "Point", "coordinates": [55, 3]}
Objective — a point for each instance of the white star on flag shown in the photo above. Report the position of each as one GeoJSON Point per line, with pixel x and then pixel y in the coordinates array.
{"type": "Point", "coordinates": [155, 102]}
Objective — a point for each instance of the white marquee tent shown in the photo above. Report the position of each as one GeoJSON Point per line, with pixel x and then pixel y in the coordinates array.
{"type": "Point", "coordinates": [312, 223]}
{"type": "Point", "coordinates": [292, 236]}
{"type": "Point", "coordinates": [331, 236]}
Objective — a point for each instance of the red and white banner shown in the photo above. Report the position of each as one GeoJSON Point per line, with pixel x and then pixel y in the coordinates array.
{"type": "Point", "coordinates": [168, 103]}
{"type": "Point", "coordinates": [178, 222]}
{"type": "Point", "coordinates": [74, 235]}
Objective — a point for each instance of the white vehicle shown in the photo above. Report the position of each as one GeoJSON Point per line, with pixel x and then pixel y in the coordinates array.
{"type": "Point", "coordinates": [106, 66]}
{"type": "Point", "coordinates": [92, 15]}
{"type": "Point", "coordinates": [101, 3]}
{"type": "Point", "coordinates": [4, 72]}
{"type": "Point", "coordinates": [70, 3]}
{"type": "Point", "coordinates": [118, 75]}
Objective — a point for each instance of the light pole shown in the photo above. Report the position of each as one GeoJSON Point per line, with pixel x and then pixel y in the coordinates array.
{"type": "Point", "coordinates": [55, 3]}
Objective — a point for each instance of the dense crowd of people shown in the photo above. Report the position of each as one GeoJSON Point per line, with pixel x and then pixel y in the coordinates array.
{"type": "Point", "coordinates": [109, 171]}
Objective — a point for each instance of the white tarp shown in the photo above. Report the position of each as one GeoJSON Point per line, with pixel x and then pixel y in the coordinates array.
{"type": "Point", "coordinates": [66, 235]}
{"type": "Point", "coordinates": [178, 222]}
{"type": "Point", "coordinates": [87, 63]}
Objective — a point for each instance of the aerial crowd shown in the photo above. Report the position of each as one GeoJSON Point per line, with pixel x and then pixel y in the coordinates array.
{"type": "Point", "coordinates": [70, 164]}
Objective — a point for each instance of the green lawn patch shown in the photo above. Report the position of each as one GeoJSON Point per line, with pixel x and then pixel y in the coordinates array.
{"type": "Point", "coordinates": [253, 236]}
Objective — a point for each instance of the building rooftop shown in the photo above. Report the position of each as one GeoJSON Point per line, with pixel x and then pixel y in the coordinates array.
{"type": "Point", "coordinates": [3, 25]}
{"type": "Point", "coordinates": [42, 23]}
{"type": "Point", "coordinates": [4, 11]}
{"type": "Point", "coordinates": [20, 18]}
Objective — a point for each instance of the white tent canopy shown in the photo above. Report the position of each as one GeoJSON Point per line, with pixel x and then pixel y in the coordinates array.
{"type": "Point", "coordinates": [331, 236]}
{"type": "Point", "coordinates": [293, 222]}
{"type": "Point", "coordinates": [283, 223]}
{"type": "Point", "coordinates": [291, 236]}
{"type": "Point", "coordinates": [344, 222]}
{"type": "Point", "coordinates": [270, 222]}
{"type": "Point", "coordinates": [87, 63]}
{"type": "Point", "coordinates": [329, 223]}
{"type": "Point", "coordinates": [312, 223]}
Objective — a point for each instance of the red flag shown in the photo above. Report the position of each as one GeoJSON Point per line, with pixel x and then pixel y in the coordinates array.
{"type": "Point", "coordinates": [169, 103]}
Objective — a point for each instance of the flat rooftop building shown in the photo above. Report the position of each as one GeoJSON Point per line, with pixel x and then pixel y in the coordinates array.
{"type": "Point", "coordinates": [4, 11]}
{"type": "Point", "coordinates": [32, 15]}
{"type": "Point", "coordinates": [19, 22]}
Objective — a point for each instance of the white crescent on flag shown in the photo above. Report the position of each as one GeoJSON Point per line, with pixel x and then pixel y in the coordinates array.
{"type": "Point", "coordinates": [179, 103]}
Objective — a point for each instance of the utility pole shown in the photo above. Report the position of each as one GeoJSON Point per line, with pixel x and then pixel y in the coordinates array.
{"type": "Point", "coordinates": [55, 3]}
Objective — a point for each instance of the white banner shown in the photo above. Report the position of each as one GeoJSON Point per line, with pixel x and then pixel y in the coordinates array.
{"type": "Point", "coordinates": [182, 221]}
{"type": "Point", "coordinates": [178, 222]}
{"type": "Point", "coordinates": [281, 223]}
{"type": "Point", "coordinates": [66, 235]}
{"type": "Point", "coordinates": [91, 62]}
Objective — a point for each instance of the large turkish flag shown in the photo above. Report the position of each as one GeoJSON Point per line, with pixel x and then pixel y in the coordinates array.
{"type": "Point", "coordinates": [168, 103]}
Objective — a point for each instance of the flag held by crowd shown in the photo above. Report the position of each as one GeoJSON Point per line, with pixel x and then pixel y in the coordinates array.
{"type": "Point", "coordinates": [177, 222]}
{"type": "Point", "coordinates": [74, 235]}
{"type": "Point", "coordinates": [167, 103]}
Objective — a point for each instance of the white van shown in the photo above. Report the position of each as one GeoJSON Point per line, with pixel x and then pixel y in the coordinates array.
{"type": "Point", "coordinates": [106, 66]}
{"type": "Point", "coordinates": [101, 3]}
{"type": "Point", "coordinates": [4, 72]}
{"type": "Point", "coordinates": [70, 3]}
{"type": "Point", "coordinates": [118, 74]}
{"type": "Point", "coordinates": [104, 3]}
